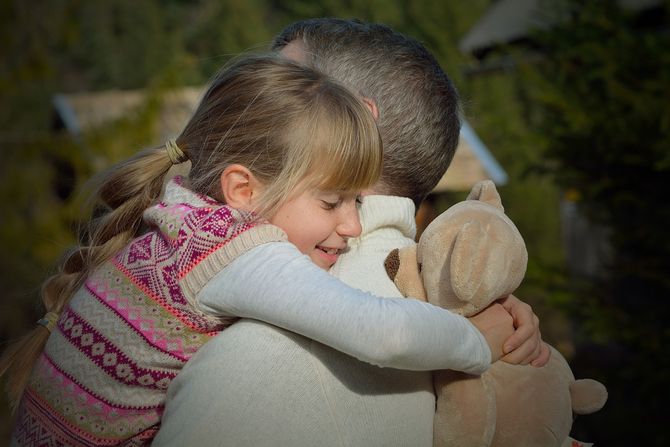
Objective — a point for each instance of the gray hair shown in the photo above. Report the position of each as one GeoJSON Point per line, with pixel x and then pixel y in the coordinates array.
{"type": "Point", "coordinates": [417, 102]}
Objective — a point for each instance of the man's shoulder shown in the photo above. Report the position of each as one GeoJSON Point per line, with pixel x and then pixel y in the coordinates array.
{"type": "Point", "coordinates": [237, 387]}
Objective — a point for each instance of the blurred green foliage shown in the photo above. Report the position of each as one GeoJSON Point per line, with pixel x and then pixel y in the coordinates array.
{"type": "Point", "coordinates": [600, 101]}
{"type": "Point", "coordinates": [527, 118]}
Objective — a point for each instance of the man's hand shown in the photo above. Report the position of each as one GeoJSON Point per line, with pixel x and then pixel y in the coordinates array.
{"type": "Point", "coordinates": [525, 345]}
{"type": "Point", "coordinates": [496, 325]}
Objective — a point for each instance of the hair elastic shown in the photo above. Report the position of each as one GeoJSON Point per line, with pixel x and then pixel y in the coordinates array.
{"type": "Point", "coordinates": [176, 155]}
{"type": "Point", "coordinates": [48, 320]}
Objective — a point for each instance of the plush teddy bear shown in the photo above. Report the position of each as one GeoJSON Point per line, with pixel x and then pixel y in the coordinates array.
{"type": "Point", "coordinates": [469, 256]}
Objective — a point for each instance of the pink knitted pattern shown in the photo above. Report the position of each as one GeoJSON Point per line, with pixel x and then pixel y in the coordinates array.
{"type": "Point", "coordinates": [128, 331]}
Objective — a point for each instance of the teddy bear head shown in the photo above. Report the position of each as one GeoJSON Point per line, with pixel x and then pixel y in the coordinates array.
{"type": "Point", "coordinates": [469, 256]}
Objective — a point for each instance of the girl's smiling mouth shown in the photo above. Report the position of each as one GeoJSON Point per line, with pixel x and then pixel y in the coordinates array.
{"type": "Point", "coordinates": [329, 254]}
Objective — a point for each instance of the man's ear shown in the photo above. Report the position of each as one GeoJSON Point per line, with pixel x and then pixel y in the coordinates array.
{"type": "Point", "coordinates": [239, 187]}
{"type": "Point", "coordinates": [372, 105]}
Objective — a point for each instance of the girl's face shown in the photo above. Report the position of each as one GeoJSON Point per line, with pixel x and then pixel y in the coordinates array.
{"type": "Point", "coordinates": [319, 223]}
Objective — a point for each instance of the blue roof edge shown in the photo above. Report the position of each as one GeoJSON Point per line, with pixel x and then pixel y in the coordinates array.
{"type": "Point", "coordinates": [66, 113]}
{"type": "Point", "coordinates": [490, 164]}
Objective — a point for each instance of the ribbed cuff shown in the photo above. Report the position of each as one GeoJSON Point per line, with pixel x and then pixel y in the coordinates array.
{"type": "Point", "coordinates": [202, 273]}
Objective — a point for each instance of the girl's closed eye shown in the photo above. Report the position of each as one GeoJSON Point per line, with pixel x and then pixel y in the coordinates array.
{"type": "Point", "coordinates": [329, 205]}
{"type": "Point", "coordinates": [330, 201]}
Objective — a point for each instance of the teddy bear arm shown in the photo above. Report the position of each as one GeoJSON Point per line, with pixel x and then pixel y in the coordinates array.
{"type": "Point", "coordinates": [588, 396]}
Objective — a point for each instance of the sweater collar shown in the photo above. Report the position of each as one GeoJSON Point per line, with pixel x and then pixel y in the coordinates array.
{"type": "Point", "coordinates": [180, 205]}
{"type": "Point", "coordinates": [177, 192]}
{"type": "Point", "coordinates": [379, 211]}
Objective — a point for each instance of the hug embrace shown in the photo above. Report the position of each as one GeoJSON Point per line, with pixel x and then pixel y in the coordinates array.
{"type": "Point", "coordinates": [247, 303]}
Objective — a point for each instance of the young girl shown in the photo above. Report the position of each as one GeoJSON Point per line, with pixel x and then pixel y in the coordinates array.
{"type": "Point", "coordinates": [278, 155]}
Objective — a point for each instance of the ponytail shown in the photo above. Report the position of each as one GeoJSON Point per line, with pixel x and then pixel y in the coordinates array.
{"type": "Point", "coordinates": [124, 192]}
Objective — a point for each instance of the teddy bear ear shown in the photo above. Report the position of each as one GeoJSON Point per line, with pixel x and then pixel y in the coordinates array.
{"type": "Point", "coordinates": [482, 268]}
{"type": "Point", "coordinates": [469, 263]}
{"type": "Point", "coordinates": [485, 191]}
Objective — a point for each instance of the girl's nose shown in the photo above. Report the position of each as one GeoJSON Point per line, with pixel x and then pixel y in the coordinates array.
{"type": "Point", "coordinates": [350, 224]}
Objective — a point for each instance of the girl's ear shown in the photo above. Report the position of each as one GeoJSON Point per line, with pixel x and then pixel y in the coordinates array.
{"type": "Point", "coordinates": [372, 105]}
{"type": "Point", "coordinates": [240, 187]}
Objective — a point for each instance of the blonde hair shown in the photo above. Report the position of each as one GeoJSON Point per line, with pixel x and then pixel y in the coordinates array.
{"type": "Point", "coordinates": [286, 123]}
{"type": "Point", "coordinates": [291, 126]}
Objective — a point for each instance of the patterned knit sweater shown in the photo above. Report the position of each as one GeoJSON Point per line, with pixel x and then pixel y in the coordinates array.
{"type": "Point", "coordinates": [127, 332]}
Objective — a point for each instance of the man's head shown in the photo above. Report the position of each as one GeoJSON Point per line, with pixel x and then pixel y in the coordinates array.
{"type": "Point", "coordinates": [416, 101]}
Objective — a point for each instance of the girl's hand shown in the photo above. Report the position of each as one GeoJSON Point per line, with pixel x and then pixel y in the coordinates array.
{"type": "Point", "coordinates": [525, 345]}
{"type": "Point", "coordinates": [496, 325]}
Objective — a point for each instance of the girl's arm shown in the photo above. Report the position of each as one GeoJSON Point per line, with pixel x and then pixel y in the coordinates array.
{"type": "Point", "coordinates": [275, 283]}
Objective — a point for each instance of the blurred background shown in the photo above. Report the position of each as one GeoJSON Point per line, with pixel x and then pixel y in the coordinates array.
{"type": "Point", "coordinates": [568, 103]}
